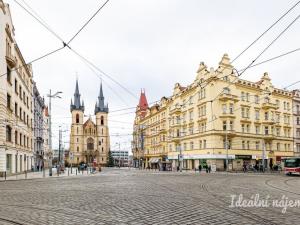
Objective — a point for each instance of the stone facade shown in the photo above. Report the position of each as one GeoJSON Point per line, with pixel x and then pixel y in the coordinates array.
{"type": "Point", "coordinates": [217, 108]}
{"type": "Point", "coordinates": [89, 140]}
{"type": "Point", "coordinates": [16, 108]}
{"type": "Point", "coordinates": [39, 106]}
{"type": "Point", "coordinates": [296, 112]}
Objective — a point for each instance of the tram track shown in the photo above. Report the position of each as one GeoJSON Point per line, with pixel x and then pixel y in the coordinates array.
{"type": "Point", "coordinates": [224, 206]}
{"type": "Point", "coordinates": [267, 183]}
{"type": "Point", "coordinates": [8, 221]}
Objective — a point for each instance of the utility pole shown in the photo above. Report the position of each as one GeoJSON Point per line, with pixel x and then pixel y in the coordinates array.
{"type": "Point", "coordinates": [59, 145]}
{"type": "Point", "coordinates": [50, 136]}
{"type": "Point", "coordinates": [226, 146]}
{"type": "Point", "coordinates": [119, 154]}
{"type": "Point", "coordinates": [56, 95]}
{"type": "Point", "coordinates": [264, 155]}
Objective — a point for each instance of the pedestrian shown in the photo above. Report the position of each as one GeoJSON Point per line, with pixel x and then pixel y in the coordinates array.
{"type": "Point", "coordinates": [200, 168]}
{"type": "Point", "coordinates": [206, 167]}
{"type": "Point", "coordinates": [209, 168]}
{"type": "Point", "coordinates": [244, 167]}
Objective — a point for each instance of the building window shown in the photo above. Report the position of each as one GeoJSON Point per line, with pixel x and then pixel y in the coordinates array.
{"type": "Point", "coordinates": [224, 125]}
{"type": "Point", "coordinates": [16, 86]}
{"type": "Point", "coordinates": [8, 101]}
{"type": "Point", "coordinates": [16, 137]}
{"type": "Point", "coordinates": [243, 96]}
{"type": "Point", "coordinates": [226, 90]}
{"type": "Point", "coordinates": [298, 133]}
{"type": "Point", "coordinates": [8, 72]}
{"type": "Point", "coordinates": [90, 144]}
{"type": "Point", "coordinates": [257, 130]}
{"type": "Point", "coordinates": [278, 146]}
{"type": "Point", "coordinates": [102, 120]}
{"type": "Point", "coordinates": [200, 144]}
{"type": "Point", "coordinates": [256, 99]}
{"type": "Point", "coordinates": [257, 145]}
{"type": "Point", "coordinates": [77, 149]}
{"type": "Point", "coordinates": [231, 108]}
{"type": "Point", "coordinates": [204, 144]}
{"type": "Point", "coordinates": [298, 120]}
{"type": "Point", "coordinates": [192, 146]}
{"type": "Point", "coordinates": [257, 114]}
{"type": "Point", "coordinates": [243, 145]}
{"type": "Point", "coordinates": [77, 118]}
{"type": "Point", "coordinates": [8, 133]}
{"type": "Point", "coordinates": [266, 130]}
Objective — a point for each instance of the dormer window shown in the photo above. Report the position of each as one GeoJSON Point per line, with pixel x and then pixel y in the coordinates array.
{"type": "Point", "coordinates": [226, 90]}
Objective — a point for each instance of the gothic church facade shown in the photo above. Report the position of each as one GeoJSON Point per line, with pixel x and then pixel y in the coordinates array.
{"type": "Point", "coordinates": [89, 140]}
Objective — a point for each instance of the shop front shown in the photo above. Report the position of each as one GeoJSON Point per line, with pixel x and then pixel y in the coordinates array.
{"type": "Point", "coordinates": [192, 161]}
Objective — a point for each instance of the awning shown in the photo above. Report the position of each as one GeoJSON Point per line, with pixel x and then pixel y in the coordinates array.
{"type": "Point", "coordinates": [154, 160]}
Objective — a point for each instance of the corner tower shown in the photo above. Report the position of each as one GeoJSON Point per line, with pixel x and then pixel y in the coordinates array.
{"type": "Point", "coordinates": [76, 136]}
{"type": "Point", "coordinates": [103, 141]}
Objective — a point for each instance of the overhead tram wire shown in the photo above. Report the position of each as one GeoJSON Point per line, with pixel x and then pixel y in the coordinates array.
{"type": "Point", "coordinates": [207, 83]}
{"type": "Point", "coordinates": [273, 58]}
{"type": "Point", "coordinates": [260, 54]}
{"type": "Point", "coordinates": [103, 73]}
{"type": "Point", "coordinates": [100, 77]}
{"type": "Point", "coordinates": [42, 22]}
{"type": "Point", "coordinates": [35, 60]}
{"type": "Point", "coordinates": [89, 20]}
{"type": "Point", "coordinates": [262, 34]}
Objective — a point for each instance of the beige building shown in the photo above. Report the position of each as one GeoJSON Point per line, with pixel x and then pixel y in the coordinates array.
{"type": "Point", "coordinates": [16, 108]}
{"type": "Point", "coordinates": [47, 152]}
{"type": "Point", "coordinates": [89, 140]}
{"type": "Point", "coordinates": [296, 112]}
{"type": "Point", "coordinates": [197, 120]}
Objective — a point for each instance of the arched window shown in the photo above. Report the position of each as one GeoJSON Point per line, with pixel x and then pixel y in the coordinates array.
{"type": "Point", "coordinates": [77, 118]}
{"type": "Point", "coordinates": [102, 120]}
{"type": "Point", "coordinates": [90, 144]}
{"type": "Point", "coordinates": [77, 149]}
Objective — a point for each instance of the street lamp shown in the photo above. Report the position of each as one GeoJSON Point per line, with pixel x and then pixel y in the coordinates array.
{"type": "Point", "coordinates": [50, 96]}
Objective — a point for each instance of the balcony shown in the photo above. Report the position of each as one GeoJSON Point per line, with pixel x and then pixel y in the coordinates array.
{"type": "Point", "coordinates": [11, 61]}
{"type": "Point", "coordinates": [268, 105]}
{"type": "Point", "coordinates": [175, 125]}
{"type": "Point", "coordinates": [229, 133]}
{"type": "Point", "coordinates": [201, 119]}
{"type": "Point", "coordinates": [269, 121]}
{"type": "Point", "coordinates": [227, 115]}
{"type": "Point", "coordinates": [269, 136]}
{"type": "Point", "coordinates": [226, 97]}
{"type": "Point", "coordinates": [176, 138]}
{"type": "Point", "coordinates": [175, 110]}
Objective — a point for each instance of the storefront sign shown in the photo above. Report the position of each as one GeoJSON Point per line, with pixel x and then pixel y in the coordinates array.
{"type": "Point", "coordinates": [246, 157]}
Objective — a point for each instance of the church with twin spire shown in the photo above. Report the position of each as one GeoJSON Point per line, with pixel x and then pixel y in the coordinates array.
{"type": "Point", "coordinates": [89, 140]}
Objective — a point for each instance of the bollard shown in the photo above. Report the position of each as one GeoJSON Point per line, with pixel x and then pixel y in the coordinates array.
{"type": "Point", "coordinates": [68, 172]}
{"type": "Point", "coordinates": [76, 171]}
{"type": "Point", "coordinates": [5, 175]}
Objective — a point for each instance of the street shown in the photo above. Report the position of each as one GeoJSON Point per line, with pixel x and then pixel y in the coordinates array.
{"type": "Point", "coordinates": [129, 196]}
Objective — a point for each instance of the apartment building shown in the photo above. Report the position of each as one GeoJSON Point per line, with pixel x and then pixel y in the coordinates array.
{"type": "Point", "coordinates": [217, 118]}
{"type": "Point", "coordinates": [16, 108]}
{"type": "Point", "coordinates": [296, 112]}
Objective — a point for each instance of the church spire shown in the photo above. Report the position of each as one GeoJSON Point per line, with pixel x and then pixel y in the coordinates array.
{"type": "Point", "coordinates": [100, 106]}
{"type": "Point", "coordinates": [77, 105]}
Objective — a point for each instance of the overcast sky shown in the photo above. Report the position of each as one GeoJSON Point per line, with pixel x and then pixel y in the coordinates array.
{"type": "Point", "coordinates": [149, 44]}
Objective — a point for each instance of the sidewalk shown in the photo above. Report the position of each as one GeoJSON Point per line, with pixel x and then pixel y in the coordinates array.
{"type": "Point", "coordinates": [45, 174]}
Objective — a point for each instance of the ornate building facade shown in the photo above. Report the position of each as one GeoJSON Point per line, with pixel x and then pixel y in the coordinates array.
{"type": "Point", "coordinates": [296, 112]}
{"type": "Point", "coordinates": [218, 117]}
{"type": "Point", "coordinates": [89, 140]}
{"type": "Point", "coordinates": [16, 108]}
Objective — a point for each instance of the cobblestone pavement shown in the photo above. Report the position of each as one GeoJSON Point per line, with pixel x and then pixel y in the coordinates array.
{"type": "Point", "coordinates": [128, 196]}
